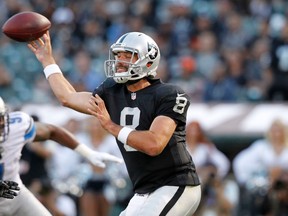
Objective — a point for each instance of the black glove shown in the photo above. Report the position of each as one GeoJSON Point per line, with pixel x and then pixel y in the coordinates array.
{"type": "Point", "coordinates": [8, 188]}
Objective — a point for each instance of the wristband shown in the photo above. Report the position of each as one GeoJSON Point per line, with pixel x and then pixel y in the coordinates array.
{"type": "Point", "coordinates": [51, 69]}
{"type": "Point", "coordinates": [123, 134]}
{"type": "Point", "coordinates": [83, 150]}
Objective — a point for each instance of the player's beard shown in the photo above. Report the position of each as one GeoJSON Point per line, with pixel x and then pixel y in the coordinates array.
{"type": "Point", "coordinates": [131, 82]}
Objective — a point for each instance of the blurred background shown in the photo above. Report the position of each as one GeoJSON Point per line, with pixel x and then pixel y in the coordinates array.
{"type": "Point", "coordinates": [231, 58]}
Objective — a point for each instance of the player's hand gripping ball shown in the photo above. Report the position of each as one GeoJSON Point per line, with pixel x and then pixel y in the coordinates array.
{"type": "Point", "coordinates": [26, 26]}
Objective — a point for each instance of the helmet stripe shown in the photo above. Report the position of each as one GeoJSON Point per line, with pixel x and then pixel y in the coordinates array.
{"type": "Point", "coordinates": [122, 38]}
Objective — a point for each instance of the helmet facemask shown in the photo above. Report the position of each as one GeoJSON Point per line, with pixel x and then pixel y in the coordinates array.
{"type": "Point", "coordinates": [133, 71]}
{"type": "Point", "coordinates": [4, 122]}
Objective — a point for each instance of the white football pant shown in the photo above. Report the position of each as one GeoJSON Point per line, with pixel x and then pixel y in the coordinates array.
{"type": "Point", "coordinates": [165, 201]}
{"type": "Point", "coordinates": [25, 204]}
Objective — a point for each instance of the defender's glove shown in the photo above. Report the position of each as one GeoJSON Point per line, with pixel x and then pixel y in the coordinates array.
{"type": "Point", "coordinates": [8, 188]}
{"type": "Point", "coordinates": [96, 158]}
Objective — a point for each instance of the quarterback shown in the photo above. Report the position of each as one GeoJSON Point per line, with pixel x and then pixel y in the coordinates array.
{"type": "Point", "coordinates": [147, 118]}
{"type": "Point", "coordinates": [16, 130]}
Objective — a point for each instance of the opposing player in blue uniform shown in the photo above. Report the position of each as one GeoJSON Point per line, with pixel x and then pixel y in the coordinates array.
{"type": "Point", "coordinates": [146, 116]}
{"type": "Point", "coordinates": [16, 130]}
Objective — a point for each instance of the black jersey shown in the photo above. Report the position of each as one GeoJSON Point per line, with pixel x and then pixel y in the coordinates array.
{"type": "Point", "coordinates": [174, 166]}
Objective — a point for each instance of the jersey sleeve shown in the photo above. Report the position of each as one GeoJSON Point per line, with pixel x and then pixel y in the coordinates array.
{"type": "Point", "coordinates": [99, 90]}
{"type": "Point", "coordinates": [31, 131]}
{"type": "Point", "coordinates": [27, 124]}
{"type": "Point", "coordinates": [173, 102]}
{"type": "Point", "coordinates": [106, 84]}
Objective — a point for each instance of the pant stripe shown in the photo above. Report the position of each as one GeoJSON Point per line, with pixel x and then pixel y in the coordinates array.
{"type": "Point", "coordinates": [172, 202]}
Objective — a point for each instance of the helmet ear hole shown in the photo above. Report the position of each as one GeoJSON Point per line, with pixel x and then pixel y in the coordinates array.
{"type": "Point", "coordinates": [149, 64]}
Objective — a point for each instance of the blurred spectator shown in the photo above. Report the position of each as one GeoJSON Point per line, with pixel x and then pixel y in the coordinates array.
{"type": "Point", "coordinates": [42, 93]}
{"type": "Point", "coordinates": [204, 151]}
{"type": "Point", "coordinates": [5, 77]}
{"type": "Point", "coordinates": [63, 15]}
{"type": "Point", "coordinates": [66, 180]}
{"type": "Point", "coordinates": [279, 195]}
{"type": "Point", "coordinates": [93, 201]}
{"type": "Point", "coordinates": [235, 35]}
{"type": "Point", "coordinates": [262, 31]}
{"type": "Point", "coordinates": [207, 56]}
{"type": "Point", "coordinates": [237, 70]}
{"type": "Point", "coordinates": [64, 22]}
{"type": "Point", "coordinates": [204, 22]}
{"type": "Point", "coordinates": [219, 194]}
{"type": "Point", "coordinates": [58, 204]}
{"type": "Point", "coordinates": [6, 80]}
{"type": "Point", "coordinates": [182, 26]}
{"type": "Point", "coordinates": [278, 90]}
{"type": "Point", "coordinates": [221, 87]}
{"type": "Point", "coordinates": [191, 81]}
{"type": "Point", "coordinates": [57, 165]}
{"type": "Point", "coordinates": [257, 168]}
{"type": "Point", "coordinates": [258, 72]}
{"type": "Point", "coordinates": [85, 76]}
{"type": "Point", "coordinates": [92, 34]}
{"type": "Point", "coordinates": [222, 10]}
{"type": "Point", "coordinates": [98, 191]}
{"type": "Point", "coordinates": [236, 65]}
{"type": "Point", "coordinates": [162, 71]}
{"type": "Point", "coordinates": [258, 57]}
{"type": "Point", "coordinates": [260, 9]}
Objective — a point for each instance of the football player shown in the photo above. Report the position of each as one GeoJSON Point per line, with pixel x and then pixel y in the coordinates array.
{"type": "Point", "coordinates": [145, 115]}
{"type": "Point", "coordinates": [8, 189]}
{"type": "Point", "coordinates": [16, 130]}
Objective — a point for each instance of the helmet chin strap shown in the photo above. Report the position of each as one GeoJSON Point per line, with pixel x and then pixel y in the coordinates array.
{"type": "Point", "coordinates": [131, 82]}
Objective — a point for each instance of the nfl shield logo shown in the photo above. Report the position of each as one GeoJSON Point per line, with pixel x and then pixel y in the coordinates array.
{"type": "Point", "coordinates": [133, 96]}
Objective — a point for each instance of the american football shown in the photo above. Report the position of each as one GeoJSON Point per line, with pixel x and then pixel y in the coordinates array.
{"type": "Point", "coordinates": [26, 26]}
